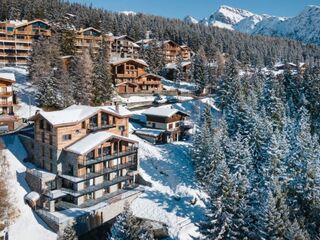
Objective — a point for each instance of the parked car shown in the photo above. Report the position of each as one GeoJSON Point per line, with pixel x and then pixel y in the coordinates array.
{"type": "Point", "coordinates": [159, 100]}
{"type": "Point", "coordinates": [172, 100]}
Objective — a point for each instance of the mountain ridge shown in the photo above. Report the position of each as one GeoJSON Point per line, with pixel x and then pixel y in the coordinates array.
{"type": "Point", "coordinates": [303, 27]}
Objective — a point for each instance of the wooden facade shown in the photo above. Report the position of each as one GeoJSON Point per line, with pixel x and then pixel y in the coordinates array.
{"type": "Point", "coordinates": [86, 175]}
{"type": "Point", "coordinates": [172, 50]}
{"type": "Point", "coordinates": [173, 124]}
{"type": "Point", "coordinates": [124, 47]}
{"type": "Point", "coordinates": [129, 77]}
{"type": "Point", "coordinates": [16, 40]}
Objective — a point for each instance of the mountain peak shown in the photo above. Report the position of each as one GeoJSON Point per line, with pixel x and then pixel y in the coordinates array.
{"type": "Point", "coordinates": [190, 19]}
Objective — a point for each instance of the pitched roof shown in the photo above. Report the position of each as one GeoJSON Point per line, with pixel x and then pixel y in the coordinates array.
{"type": "Point", "coordinates": [77, 113]}
{"type": "Point", "coordinates": [31, 22]}
{"type": "Point", "coordinates": [10, 77]}
{"type": "Point", "coordinates": [149, 132]}
{"type": "Point", "coordinates": [123, 36]}
{"type": "Point", "coordinates": [89, 142]}
{"type": "Point", "coordinates": [163, 112]}
{"type": "Point", "coordinates": [88, 29]}
{"type": "Point", "coordinates": [123, 60]}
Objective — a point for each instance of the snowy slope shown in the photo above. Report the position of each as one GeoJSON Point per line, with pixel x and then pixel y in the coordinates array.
{"type": "Point", "coordinates": [169, 168]}
{"type": "Point", "coordinates": [24, 90]}
{"type": "Point", "coordinates": [28, 225]}
{"type": "Point", "coordinates": [304, 27]}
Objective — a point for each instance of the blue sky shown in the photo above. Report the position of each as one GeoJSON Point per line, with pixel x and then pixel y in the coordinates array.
{"type": "Point", "coordinates": [202, 8]}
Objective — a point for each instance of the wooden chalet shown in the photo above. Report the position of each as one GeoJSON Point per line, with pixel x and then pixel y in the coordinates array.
{"type": "Point", "coordinates": [124, 47]}
{"type": "Point", "coordinates": [129, 76]}
{"type": "Point", "coordinates": [171, 125]}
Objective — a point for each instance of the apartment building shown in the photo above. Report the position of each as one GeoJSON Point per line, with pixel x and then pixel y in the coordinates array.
{"type": "Point", "coordinates": [16, 39]}
{"type": "Point", "coordinates": [124, 47]}
{"type": "Point", "coordinates": [82, 156]}
{"type": "Point", "coordinates": [164, 125]}
{"type": "Point", "coordinates": [130, 76]}
{"type": "Point", "coordinates": [173, 50]}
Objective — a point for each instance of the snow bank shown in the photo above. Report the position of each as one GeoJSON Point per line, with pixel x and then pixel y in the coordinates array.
{"type": "Point", "coordinates": [28, 225]}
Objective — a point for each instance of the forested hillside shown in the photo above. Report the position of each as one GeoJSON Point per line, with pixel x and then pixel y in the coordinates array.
{"type": "Point", "coordinates": [261, 165]}
{"type": "Point", "coordinates": [247, 49]}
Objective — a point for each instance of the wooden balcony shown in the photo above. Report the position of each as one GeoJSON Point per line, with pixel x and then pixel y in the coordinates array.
{"type": "Point", "coordinates": [6, 104]}
{"type": "Point", "coordinates": [103, 126]}
{"type": "Point", "coordinates": [6, 94]}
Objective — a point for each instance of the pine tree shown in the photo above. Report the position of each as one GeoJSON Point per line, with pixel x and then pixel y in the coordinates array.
{"type": "Point", "coordinates": [199, 70]}
{"type": "Point", "coordinates": [102, 79]}
{"type": "Point", "coordinates": [81, 76]}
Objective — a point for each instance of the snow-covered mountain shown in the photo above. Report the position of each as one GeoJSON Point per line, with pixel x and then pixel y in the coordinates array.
{"type": "Point", "coordinates": [190, 19]}
{"type": "Point", "coordinates": [304, 27]}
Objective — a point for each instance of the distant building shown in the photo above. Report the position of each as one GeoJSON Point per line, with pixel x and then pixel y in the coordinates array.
{"type": "Point", "coordinates": [170, 125]}
{"type": "Point", "coordinates": [124, 47]}
{"type": "Point", "coordinates": [82, 156]}
{"type": "Point", "coordinates": [130, 76]}
{"type": "Point", "coordinates": [16, 38]}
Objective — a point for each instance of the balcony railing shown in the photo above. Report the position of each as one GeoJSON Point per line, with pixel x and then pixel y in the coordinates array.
{"type": "Point", "coordinates": [110, 170]}
{"type": "Point", "coordinates": [6, 94]}
{"type": "Point", "coordinates": [97, 187]}
{"type": "Point", "coordinates": [91, 161]}
{"type": "Point", "coordinates": [95, 127]}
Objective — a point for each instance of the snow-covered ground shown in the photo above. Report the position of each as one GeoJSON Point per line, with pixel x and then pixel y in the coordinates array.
{"type": "Point", "coordinates": [182, 86]}
{"type": "Point", "coordinates": [27, 225]}
{"type": "Point", "coordinates": [169, 168]}
{"type": "Point", "coordinates": [24, 90]}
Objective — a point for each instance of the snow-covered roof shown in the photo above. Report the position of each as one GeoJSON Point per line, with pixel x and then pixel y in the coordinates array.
{"type": "Point", "coordinates": [77, 113]}
{"type": "Point", "coordinates": [163, 112]}
{"type": "Point", "coordinates": [174, 65]}
{"type": "Point", "coordinates": [88, 29]}
{"type": "Point", "coordinates": [86, 144]}
{"type": "Point", "coordinates": [149, 132]}
{"type": "Point", "coordinates": [31, 22]}
{"type": "Point", "coordinates": [32, 196]}
{"type": "Point", "coordinates": [123, 60]}
{"type": "Point", "coordinates": [123, 36]}
{"type": "Point", "coordinates": [8, 76]}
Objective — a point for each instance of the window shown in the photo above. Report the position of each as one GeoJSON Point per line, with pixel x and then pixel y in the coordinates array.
{"type": "Point", "coordinates": [49, 127]}
{"type": "Point", "coordinates": [83, 125]}
{"type": "Point", "coordinates": [50, 140]}
{"type": "Point", "coordinates": [153, 125]}
{"type": "Point", "coordinates": [177, 124]}
{"type": "Point", "coordinates": [41, 124]}
{"type": "Point", "coordinates": [66, 137]}
{"type": "Point", "coordinates": [43, 153]}
{"type": "Point", "coordinates": [50, 154]}
{"type": "Point", "coordinates": [42, 137]}
{"type": "Point", "coordinates": [170, 126]}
